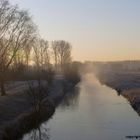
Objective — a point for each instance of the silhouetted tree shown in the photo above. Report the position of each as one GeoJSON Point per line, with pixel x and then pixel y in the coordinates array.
{"type": "Point", "coordinates": [16, 28]}
{"type": "Point", "coordinates": [41, 54]}
{"type": "Point", "coordinates": [62, 53]}
{"type": "Point", "coordinates": [55, 53]}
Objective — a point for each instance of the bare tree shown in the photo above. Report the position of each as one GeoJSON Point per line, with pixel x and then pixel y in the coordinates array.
{"type": "Point", "coordinates": [27, 52]}
{"type": "Point", "coordinates": [62, 53]}
{"type": "Point", "coordinates": [41, 54]}
{"type": "Point", "coordinates": [16, 28]}
{"type": "Point", "coordinates": [55, 53]}
{"type": "Point", "coordinates": [31, 35]}
{"type": "Point", "coordinates": [42, 61]}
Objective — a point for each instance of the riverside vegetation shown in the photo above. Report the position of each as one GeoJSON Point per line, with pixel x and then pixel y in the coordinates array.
{"type": "Point", "coordinates": [34, 74]}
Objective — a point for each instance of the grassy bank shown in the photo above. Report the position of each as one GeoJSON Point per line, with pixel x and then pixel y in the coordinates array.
{"type": "Point", "coordinates": [125, 83]}
{"type": "Point", "coordinates": [20, 112]}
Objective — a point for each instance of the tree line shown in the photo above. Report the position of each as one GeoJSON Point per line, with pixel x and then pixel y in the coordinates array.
{"type": "Point", "coordinates": [22, 48]}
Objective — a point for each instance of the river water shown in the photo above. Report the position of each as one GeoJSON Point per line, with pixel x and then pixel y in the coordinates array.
{"type": "Point", "coordinates": [94, 112]}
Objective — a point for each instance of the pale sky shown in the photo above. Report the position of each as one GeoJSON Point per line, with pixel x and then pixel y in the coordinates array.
{"type": "Point", "coordinates": [99, 30]}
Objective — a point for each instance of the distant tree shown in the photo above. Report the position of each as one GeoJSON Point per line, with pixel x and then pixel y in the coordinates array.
{"type": "Point", "coordinates": [62, 53]}
{"type": "Point", "coordinates": [28, 47]}
{"type": "Point", "coordinates": [41, 58]}
{"type": "Point", "coordinates": [55, 53]}
{"type": "Point", "coordinates": [72, 72]}
{"type": "Point", "coordinates": [44, 75]}
{"type": "Point", "coordinates": [41, 54]}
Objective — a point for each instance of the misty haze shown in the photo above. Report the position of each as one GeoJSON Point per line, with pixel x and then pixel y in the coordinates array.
{"type": "Point", "coordinates": [69, 70]}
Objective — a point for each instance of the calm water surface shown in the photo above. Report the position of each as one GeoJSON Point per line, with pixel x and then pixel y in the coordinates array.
{"type": "Point", "coordinates": [95, 112]}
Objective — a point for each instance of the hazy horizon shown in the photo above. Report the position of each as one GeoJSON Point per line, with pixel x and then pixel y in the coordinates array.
{"type": "Point", "coordinates": [98, 30]}
{"type": "Point", "coordinates": [69, 69]}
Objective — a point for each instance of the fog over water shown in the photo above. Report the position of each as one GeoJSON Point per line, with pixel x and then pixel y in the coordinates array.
{"type": "Point", "coordinates": [94, 112]}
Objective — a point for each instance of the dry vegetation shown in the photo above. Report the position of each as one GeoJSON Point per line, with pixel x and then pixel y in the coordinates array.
{"type": "Point", "coordinates": [29, 68]}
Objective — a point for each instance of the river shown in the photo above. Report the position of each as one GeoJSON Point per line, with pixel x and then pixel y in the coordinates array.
{"type": "Point", "coordinates": [92, 112]}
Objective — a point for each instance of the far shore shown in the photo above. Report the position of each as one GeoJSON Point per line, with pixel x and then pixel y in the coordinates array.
{"type": "Point", "coordinates": [125, 83]}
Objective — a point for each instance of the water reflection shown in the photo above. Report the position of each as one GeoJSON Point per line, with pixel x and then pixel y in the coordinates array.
{"type": "Point", "coordinates": [41, 133]}
{"type": "Point", "coordinates": [71, 99]}
{"type": "Point", "coordinates": [101, 115]}
{"type": "Point", "coordinates": [92, 112]}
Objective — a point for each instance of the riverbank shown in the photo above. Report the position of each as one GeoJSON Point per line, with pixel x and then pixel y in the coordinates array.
{"type": "Point", "coordinates": [94, 112]}
{"type": "Point", "coordinates": [18, 114]}
{"type": "Point", "coordinates": [126, 84]}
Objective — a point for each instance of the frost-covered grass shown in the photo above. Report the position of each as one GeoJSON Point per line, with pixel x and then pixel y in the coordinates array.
{"type": "Point", "coordinates": [19, 101]}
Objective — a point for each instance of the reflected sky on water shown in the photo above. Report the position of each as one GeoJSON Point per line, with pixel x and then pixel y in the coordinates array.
{"type": "Point", "coordinates": [92, 111]}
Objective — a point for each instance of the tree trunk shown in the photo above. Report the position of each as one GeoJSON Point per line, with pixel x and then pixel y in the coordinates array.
{"type": "Point", "coordinates": [3, 92]}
